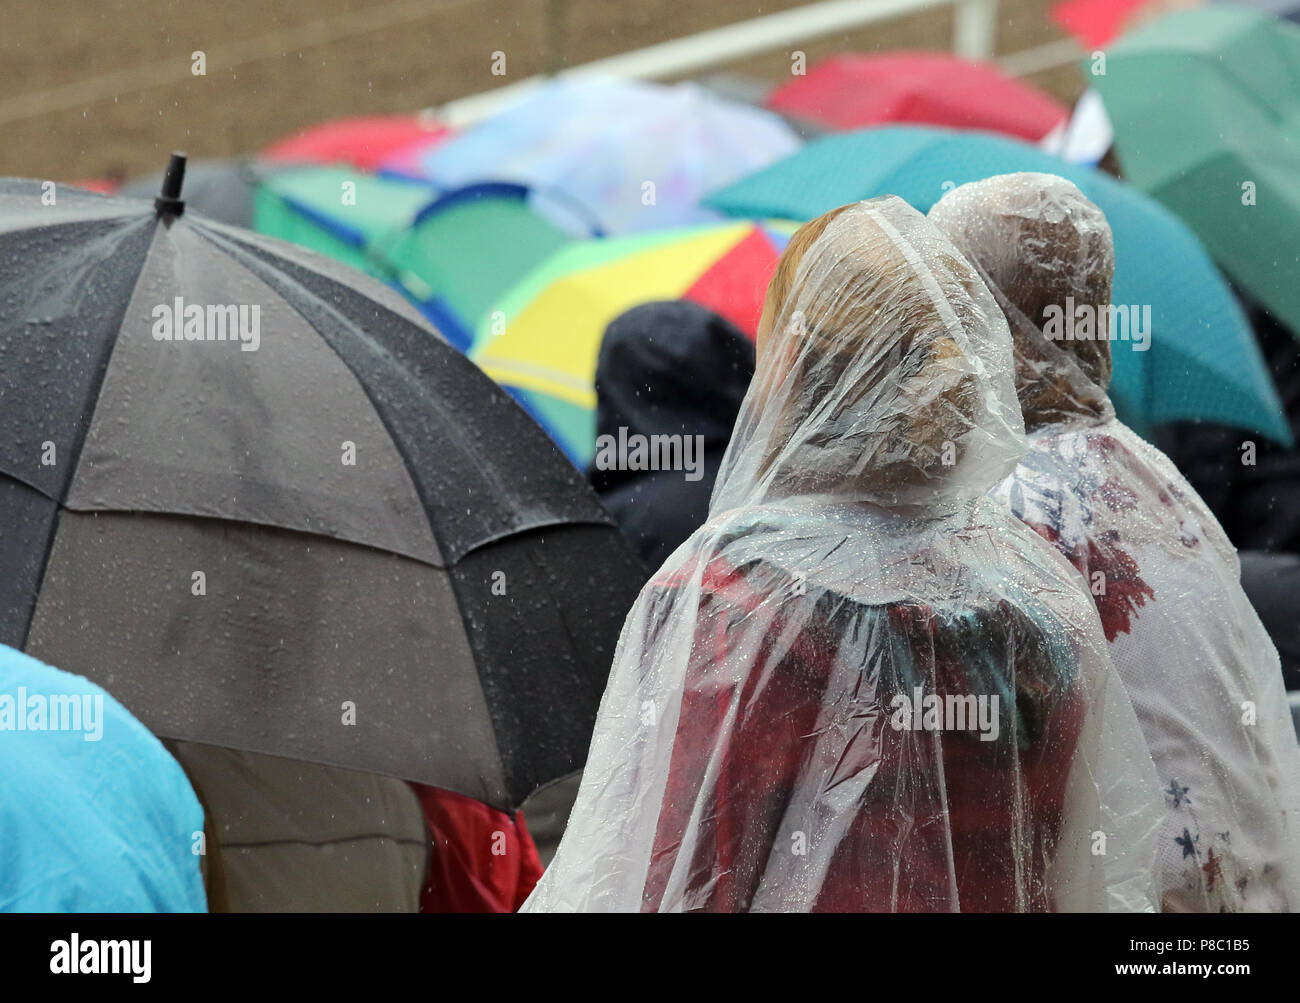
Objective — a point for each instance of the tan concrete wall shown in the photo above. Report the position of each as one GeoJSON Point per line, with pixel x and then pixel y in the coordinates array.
{"type": "Point", "coordinates": [92, 87]}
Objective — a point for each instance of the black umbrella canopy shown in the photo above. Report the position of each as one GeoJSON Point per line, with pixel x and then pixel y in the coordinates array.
{"type": "Point", "coordinates": [253, 494]}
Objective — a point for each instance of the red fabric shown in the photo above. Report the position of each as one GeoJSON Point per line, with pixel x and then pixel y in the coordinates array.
{"type": "Point", "coordinates": [896, 856]}
{"type": "Point", "coordinates": [735, 284]}
{"type": "Point", "coordinates": [104, 186]}
{"type": "Point", "coordinates": [481, 860]}
{"type": "Point", "coordinates": [1095, 22]}
{"type": "Point", "coordinates": [923, 88]}
{"type": "Point", "coordinates": [364, 143]}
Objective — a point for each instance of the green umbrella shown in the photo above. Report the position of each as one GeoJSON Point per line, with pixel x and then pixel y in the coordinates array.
{"type": "Point", "coordinates": [336, 210]}
{"type": "Point", "coordinates": [1206, 109]}
{"type": "Point", "coordinates": [452, 253]}
{"type": "Point", "coordinates": [462, 252]}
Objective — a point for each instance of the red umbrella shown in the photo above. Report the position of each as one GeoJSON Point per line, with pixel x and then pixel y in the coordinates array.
{"type": "Point", "coordinates": [105, 186]}
{"type": "Point", "coordinates": [1094, 22]}
{"type": "Point", "coordinates": [926, 88]}
{"type": "Point", "coordinates": [736, 284]}
{"type": "Point", "coordinates": [364, 143]}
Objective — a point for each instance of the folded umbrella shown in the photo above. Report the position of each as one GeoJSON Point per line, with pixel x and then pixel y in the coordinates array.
{"type": "Point", "coordinates": [851, 90]}
{"type": "Point", "coordinates": [1206, 110]}
{"type": "Point", "coordinates": [259, 500]}
{"type": "Point", "coordinates": [544, 342]}
{"type": "Point", "coordinates": [1202, 361]}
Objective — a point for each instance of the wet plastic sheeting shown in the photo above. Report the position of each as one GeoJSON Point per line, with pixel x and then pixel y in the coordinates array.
{"type": "Point", "coordinates": [557, 583]}
{"type": "Point", "coordinates": [62, 289]}
{"type": "Point", "coordinates": [265, 660]}
{"type": "Point", "coordinates": [477, 485]}
{"type": "Point", "coordinates": [206, 428]}
{"type": "Point", "coordinates": [1201, 672]}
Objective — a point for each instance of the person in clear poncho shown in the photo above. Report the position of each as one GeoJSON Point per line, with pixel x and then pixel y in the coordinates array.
{"type": "Point", "coordinates": [1201, 672]}
{"type": "Point", "coordinates": [756, 748]}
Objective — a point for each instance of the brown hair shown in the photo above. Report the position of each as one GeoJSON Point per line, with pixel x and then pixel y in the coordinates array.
{"type": "Point", "coordinates": [841, 336]}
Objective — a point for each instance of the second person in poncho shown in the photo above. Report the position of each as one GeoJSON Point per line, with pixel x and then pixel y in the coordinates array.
{"type": "Point", "coordinates": [1199, 667]}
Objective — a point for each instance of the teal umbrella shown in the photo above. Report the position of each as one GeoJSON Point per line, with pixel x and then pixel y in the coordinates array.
{"type": "Point", "coordinates": [1206, 110]}
{"type": "Point", "coordinates": [1201, 362]}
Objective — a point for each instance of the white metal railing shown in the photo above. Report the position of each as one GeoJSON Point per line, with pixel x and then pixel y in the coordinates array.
{"type": "Point", "coordinates": [974, 28]}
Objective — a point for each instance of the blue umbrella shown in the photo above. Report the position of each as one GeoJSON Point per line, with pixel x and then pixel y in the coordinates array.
{"type": "Point", "coordinates": [1202, 362]}
{"type": "Point", "coordinates": [633, 155]}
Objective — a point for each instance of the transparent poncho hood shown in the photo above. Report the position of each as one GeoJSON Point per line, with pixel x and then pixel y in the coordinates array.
{"type": "Point", "coordinates": [886, 379]}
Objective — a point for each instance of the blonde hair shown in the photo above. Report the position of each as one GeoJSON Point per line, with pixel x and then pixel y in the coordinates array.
{"type": "Point", "coordinates": [787, 267]}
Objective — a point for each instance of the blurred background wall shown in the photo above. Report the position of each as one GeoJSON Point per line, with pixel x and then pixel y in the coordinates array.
{"type": "Point", "coordinates": [106, 88]}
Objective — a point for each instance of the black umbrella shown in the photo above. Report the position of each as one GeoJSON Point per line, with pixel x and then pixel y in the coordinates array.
{"type": "Point", "coordinates": [255, 496]}
{"type": "Point", "coordinates": [220, 189]}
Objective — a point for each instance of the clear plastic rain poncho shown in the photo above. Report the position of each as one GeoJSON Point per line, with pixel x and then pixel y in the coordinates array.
{"type": "Point", "coordinates": [1201, 672]}
{"type": "Point", "coordinates": [861, 685]}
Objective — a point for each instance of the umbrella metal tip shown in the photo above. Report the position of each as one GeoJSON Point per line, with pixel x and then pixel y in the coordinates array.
{"type": "Point", "coordinates": [168, 202]}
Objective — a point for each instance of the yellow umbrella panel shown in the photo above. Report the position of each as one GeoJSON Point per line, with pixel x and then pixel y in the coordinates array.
{"type": "Point", "coordinates": [542, 340]}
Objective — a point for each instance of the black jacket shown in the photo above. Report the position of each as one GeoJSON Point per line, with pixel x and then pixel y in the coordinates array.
{"type": "Point", "coordinates": [670, 368]}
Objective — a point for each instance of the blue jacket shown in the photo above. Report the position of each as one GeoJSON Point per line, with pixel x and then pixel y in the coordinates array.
{"type": "Point", "coordinates": [95, 815]}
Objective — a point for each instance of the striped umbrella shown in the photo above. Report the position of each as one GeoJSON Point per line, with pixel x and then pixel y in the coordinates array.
{"type": "Point", "coordinates": [259, 500]}
{"type": "Point", "coordinates": [542, 339]}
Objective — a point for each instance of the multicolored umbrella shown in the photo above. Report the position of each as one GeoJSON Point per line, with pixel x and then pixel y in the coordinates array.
{"type": "Point", "coordinates": [365, 143]}
{"type": "Point", "coordinates": [627, 155]}
{"type": "Point", "coordinates": [849, 91]}
{"type": "Point", "coordinates": [451, 254]}
{"type": "Point", "coordinates": [543, 338]}
{"type": "Point", "coordinates": [1205, 105]}
{"type": "Point", "coordinates": [465, 250]}
{"type": "Point", "coordinates": [259, 500]}
{"type": "Point", "coordinates": [337, 211]}
{"type": "Point", "coordinates": [1202, 361]}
